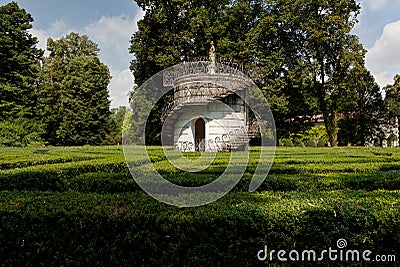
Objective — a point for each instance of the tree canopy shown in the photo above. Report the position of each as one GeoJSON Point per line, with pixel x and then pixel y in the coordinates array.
{"type": "Point", "coordinates": [306, 60]}
{"type": "Point", "coordinates": [74, 96]}
{"type": "Point", "coordinates": [303, 51]}
{"type": "Point", "coordinates": [61, 99]}
{"type": "Point", "coordinates": [393, 96]}
{"type": "Point", "coordinates": [19, 68]}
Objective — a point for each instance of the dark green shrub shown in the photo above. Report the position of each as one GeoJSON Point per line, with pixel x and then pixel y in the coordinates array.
{"type": "Point", "coordinates": [311, 143]}
{"type": "Point", "coordinates": [288, 143]}
{"type": "Point", "coordinates": [133, 229]}
{"type": "Point", "coordinates": [298, 143]}
{"type": "Point", "coordinates": [280, 142]}
{"type": "Point", "coordinates": [321, 143]}
{"type": "Point", "coordinates": [103, 182]}
{"type": "Point", "coordinates": [20, 132]}
{"type": "Point", "coordinates": [57, 177]}
{"type": "Point", "coordinates": [85, 209]}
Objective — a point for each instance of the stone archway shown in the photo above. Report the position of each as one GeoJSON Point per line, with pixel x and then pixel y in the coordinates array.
{"type": "Point", "coordinates": [200, 134]}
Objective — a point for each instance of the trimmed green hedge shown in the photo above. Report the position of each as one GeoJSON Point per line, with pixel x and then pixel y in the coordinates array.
{"type": "Point", "coordinates": [81, 206]}
{"type": "Point", "coordinates": [74, 229]}
{"type": "Point", "coordinates": [54, 177]}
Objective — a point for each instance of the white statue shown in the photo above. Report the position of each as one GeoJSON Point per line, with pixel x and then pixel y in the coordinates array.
{"type": "Point", "coordinates": [212, 58]}
{"type": "Point", "coordinates": [212, 53]}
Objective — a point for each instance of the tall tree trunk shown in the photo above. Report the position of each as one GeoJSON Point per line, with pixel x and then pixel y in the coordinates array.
{"type": "Point", "coordinates": [328, 113]}
{"type": "Point", "coordinates": [362, 130]}
{"type": "Point", "coordinates": [331, 125]}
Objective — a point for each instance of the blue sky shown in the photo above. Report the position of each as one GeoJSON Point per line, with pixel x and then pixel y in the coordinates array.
{"type": "Point", "coordinates": [111, 24]}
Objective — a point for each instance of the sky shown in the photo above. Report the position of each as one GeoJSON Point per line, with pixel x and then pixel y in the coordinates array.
{"type": "Point", "coordinates": [111, 24]}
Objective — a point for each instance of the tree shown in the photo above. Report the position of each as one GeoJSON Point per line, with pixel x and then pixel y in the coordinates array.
{"type": "Point", "coordinates": [20, 132]}
{"type": "Point", "coordinates": [117, 116]}
{"type": "Point", "coordinates": [166, 37]}
{"type": "Point", "coordinates": [302, 50]}
{"type": "Point", "coordinates": [19, 68]}
{"type": "Point", "coordinates": [74, 96]}
{"type": "Point", "coordinates": [392, 99]}
{"type": "Point", "coordinates": [176, 31]}
{"type": "Point", "coordinates": [363, 112]}
{"type": "Point", "coordinates": [328, 51]}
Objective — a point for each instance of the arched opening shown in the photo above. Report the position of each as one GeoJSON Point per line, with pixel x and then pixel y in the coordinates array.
{"type": "Point", "coordinates": [200, 134]}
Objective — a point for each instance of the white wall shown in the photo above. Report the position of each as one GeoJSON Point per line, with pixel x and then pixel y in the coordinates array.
{"type": "Point", "coordinates": [219, 118]}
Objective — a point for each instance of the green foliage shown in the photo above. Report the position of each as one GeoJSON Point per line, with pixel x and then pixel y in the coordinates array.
{"type": "Point", "coordinates": [321, 143]}
{"type": "Point", "coordinates": [392, 99]}
{"type": "Point", "coordinates": [122, 229]}
{"type": "Point", "coordinates": [364, 113]}
{"type": "Point", "coordinates": [74, 96]}
{"type": "Point", "coordinates": [288, 143]}
{"type": "Point", "coordinates": [297, 142]}
{"type": "Point", "coordinates": [323, 25]}
{"type": "Point", "coordinates": [117, 117]}
{"type": "Point", "coordinates": [171, 32]}
{"type": "Point", "coordinates": [19, 68]}
{"type": "Point", "coordinates": [303, 52]}
{"type": "Point", "coordinates": [69, 98]}
{"type": "Point", "coordinates": [79, 205]}
{"type": "Point", "coordinates": [313, 136]}
{"type": "Point", "coordinates": [85, 117]}
{"type": "Point", "coordinates": [20, 132]}
{"type": "Point", "coordinates": [309, 138]}
{"type": "Point", "coordinates": [393, 137]}
{"type": "Point", "coordinates": [311, 143]}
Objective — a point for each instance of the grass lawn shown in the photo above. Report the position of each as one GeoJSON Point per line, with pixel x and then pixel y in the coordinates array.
{"type": "Point", "coordinates": [80, 206]}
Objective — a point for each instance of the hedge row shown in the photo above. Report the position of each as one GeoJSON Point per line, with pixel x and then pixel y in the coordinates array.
{"type": "Point", "coordinates": [73, 229]}
{"type": "Point", "coordinates": [36, 162]}
{"type": "Point", "coordinates": [54, 177]}
{"type": "Point", "coordinates": [88, 210]}
{"type": "Point", "coordinates": [114, 177]}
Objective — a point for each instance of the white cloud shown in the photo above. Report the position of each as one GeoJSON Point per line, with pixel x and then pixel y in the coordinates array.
{"type": "Point", "coordinates": [383, 78]}
{"type": "Point", "coordinates": [59, 28]}
{"type": "Point", "coordinates": [42, 36]}
{"type": "Point", "coordinates": [121, 83]}
{"type": "Point", "coordinates": [140, 15]}
{"type": "Point", "coordinates": [112, 34]}
{"type": "Point", "coordinates": [383, 59]}
{"type": "Point", "coordinates": [375, 5]}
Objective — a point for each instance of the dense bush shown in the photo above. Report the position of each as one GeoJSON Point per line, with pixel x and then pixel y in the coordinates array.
{"type": "Point", "coordinates": [311, 143]}
{"type": "Point", "coordinates": [310, 138]}
{"type": "Point", "coordinates": [20, 132]}
{"type": "Point", "coordinates": [288, 143]}
{"type": "Point", "coordinates": [81, 206]}
{"type": "Point", "coordinates": [298, 142]}
{"type": "Point", "coordinates": [321, 143]}
{"type": "Point", "coordinates": [134, 230]}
